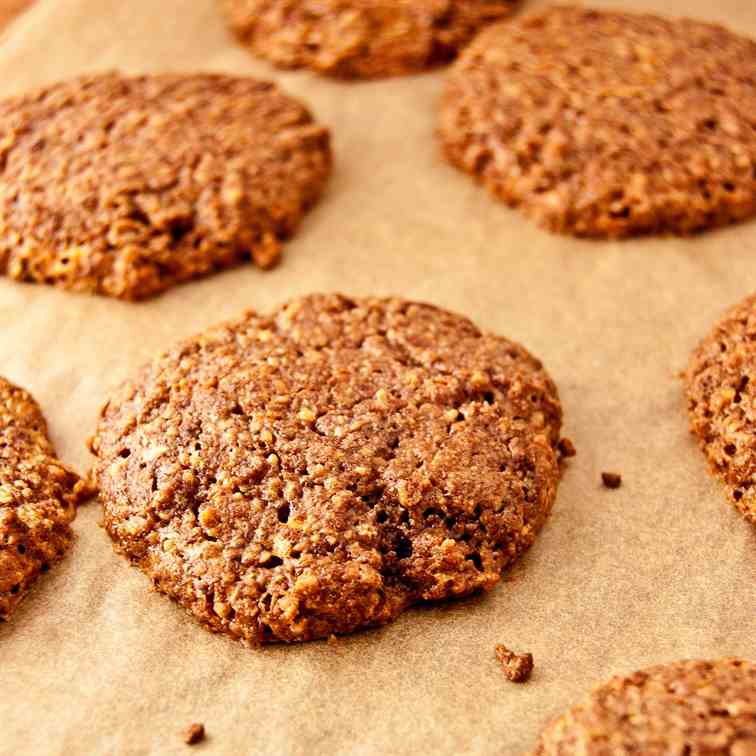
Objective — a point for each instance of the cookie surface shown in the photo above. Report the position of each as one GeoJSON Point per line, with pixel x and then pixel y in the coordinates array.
{"type": "Point", "coordinates": [721, 394]}
{"type": "Point", "coordinates": [125, 186]}
{"type": "Point", "coordinates": [687, 707]}
{"type": "Point", "coordinates": [320, 469]}
{"type": "Point", "coordinates": [38, 498]}
{"type": "Point", "coordinates": [360, 38]}
{"type": "Point", "coordinates": [605, 124]}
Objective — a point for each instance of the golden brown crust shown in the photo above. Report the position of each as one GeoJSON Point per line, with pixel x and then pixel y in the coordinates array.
{"type": "Point", "coordinates": [360, 38]}
{"type": "Point", "coordinates": [38, 498]}
{"type": "Point", "coordinates": [320, 469]}
{"type": "Point", "coordinates": [696, 708]}
{"type": "Point", "coordinates": [721, 392]}
{"type": "Point", "coordinates": [127, 185]}
{"type": "Point", "coordinates": [606, 124]}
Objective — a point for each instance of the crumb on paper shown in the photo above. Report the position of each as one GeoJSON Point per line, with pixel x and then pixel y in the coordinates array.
{"type": "Point", "coordinates": [611, 479]}
{"type": "Point", "coordinates": [194, 734]}
{"type": "Point", "coordinates": [566, 448]}
{"type": "Point", "coordinates": [517, 667]}
{"type": "Point", "coordinates": [332, 639]}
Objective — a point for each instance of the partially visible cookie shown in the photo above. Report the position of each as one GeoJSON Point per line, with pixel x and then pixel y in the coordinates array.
{"type": "Point", "coordinates": [695, 708]}
{"type": "Point", "coordinates": [320, 469]}
{"type": "Point", "coordinates": [721, 391]}
{"type": "Point", "coordinates": [127, 185]}
{"type": "Point", "coordinates": [38, 498]}
{"type": "Point", "coordinates": [605, 124]}
{"type": "Point", "coordinates": [360, 38]}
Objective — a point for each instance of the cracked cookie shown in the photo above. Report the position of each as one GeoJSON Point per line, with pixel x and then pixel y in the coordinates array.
{"type": "Point", "coordinates": [360, 38]}
{"type": "Point", "coordinates": [125, 186]}
{"type": "Point", "coordinates": [687, 707]}
{"type": "Point", "coordinates": [320, 469]}
{"type": "Point", "coordinates": [605, 124]}
{"type": "Point", "coordinates": [38, 498]}
{"type": "Point", "coordinates": [722, 402]}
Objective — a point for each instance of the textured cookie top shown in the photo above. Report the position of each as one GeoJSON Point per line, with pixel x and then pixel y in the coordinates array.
{"type": "Point", "coordinates": [125, 186]}
{"type": "Point", "coordinates": [38, 497]}
{"type": "Point", "coordinates": [320, 469]}
{"type": "Point", "coordinates": [690, 707]}
{"type": "Point", "coordinates": [360, 38]}
{"type": "Point", "coordinates": [722, 402]}
{"type": "Point", "coordinates": [608, 124]}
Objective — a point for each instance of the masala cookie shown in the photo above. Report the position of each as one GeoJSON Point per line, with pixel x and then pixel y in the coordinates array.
{"type": "Point", "coordinates": [38, 498]}
{"type": "Point", "coordinates": [322, 468]}
{"type": "Point", "coordinates": [125, 186]}
{"type": "Point", "coordinates": [606, 124]}
{"type": "Point", "coordinates": [722, 402]}
{"type": "Point", "coordinates": [360, 38]}
{"type": "Point", "coordinates": [687, 707]}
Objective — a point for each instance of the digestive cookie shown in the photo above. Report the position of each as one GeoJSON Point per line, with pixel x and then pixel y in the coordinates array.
{"type": "Point", "coordinates": [318, 470]}
{"type": "Point", "coordinates": [722, 402]}
{"type": "Point", "coordinates": [604, 124]}
{"type": "Point", "coordinates": [126, 186]}
{"type": "Point", "coordinates": [687, 707]}
{"type": "Point", "coordinates": [360, 38]}
{"type": "Point", "coordinates": [38, 498]}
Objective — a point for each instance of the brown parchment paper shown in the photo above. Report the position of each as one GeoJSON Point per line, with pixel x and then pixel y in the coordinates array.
{"type": "Point", "coordinates": [663, 568]}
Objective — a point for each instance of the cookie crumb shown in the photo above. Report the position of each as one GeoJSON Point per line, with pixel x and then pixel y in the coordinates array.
{"type": "Point", "coordinates": [332, 640]}
{"type": "Point", "coordinates": [611, 480]}
{"type": "Point", "coordinates": [194, 734]}
{"type": "Point", "coordinates": [566, 448]}
{"type": "Point", "coordinates": [517, 667]}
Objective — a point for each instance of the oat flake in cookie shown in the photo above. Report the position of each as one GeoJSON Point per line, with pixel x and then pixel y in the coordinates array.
{"type": "Point", "coordinates": [38, 498]}
{"type": "Point", "coordinates": [604, 124]}
{"type": "Point", "coordinates": [125, 186]}
{"type": "Point", "coordinates": [360, 38]}
{"type": "Point", "coordinates": [721, 392]}
{"type": "Point", "coordinates": [698, 708]}
{"type": "Point", "coordinates": [320, 469]}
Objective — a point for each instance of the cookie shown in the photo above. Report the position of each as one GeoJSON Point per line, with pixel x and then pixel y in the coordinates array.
{"type": "Point", "coordinates": [320, 469]}
{"type": "Point", "coordinates": [722, 402]}
{"type": "Point", "coordinates": [604, 124]}
{"type": "Point", "coordinates": [125, 186]}
{"type": "Point", "coordinates": [360, 38]}
{"type": "Point", "coordinates": [38, 498]}
{"type": "Point", "coordinates": [687, 707]}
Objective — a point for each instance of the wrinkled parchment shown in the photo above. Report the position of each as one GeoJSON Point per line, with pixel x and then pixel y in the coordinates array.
{"type": "Point", "coordinates": [95, 663]}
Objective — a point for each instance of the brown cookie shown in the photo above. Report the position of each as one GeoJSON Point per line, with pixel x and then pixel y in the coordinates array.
{"type": "Point", "coordinates": [722, 402]}
{"type": "Point", "coordinates": [605, 124]}
{"type": "Point", "coordinates": [695, 708]}
{"type": "Point", "coordinates": [320, 469]}
{"type": "Point", "coordinates": [360, 38]}
{"type": "Point", "coordinates": [125, 186]}
{"type": "Point", "coordinates": [38, 498]}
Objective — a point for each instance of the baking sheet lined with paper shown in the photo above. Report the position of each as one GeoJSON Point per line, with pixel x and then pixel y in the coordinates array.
{"type": "Point", "coordinates": [660, 569]}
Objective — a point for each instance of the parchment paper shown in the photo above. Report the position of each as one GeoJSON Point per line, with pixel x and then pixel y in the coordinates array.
{"type": "Point", "coordinates": [663, 568]}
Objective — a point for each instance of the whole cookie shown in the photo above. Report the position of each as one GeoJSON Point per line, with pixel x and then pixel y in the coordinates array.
{"type": "Point", "coordinates": [320, 469]}
{"type": "Point", "coordinates": [605, 124]}
{"type": "Point", "coordinates": [38, 498]}
{"type": "Point", "coordinates": [125, 186]}
{"type": "Point", "coordinates": [697, 708]}
{"type": "Point", "coordinates": [722, 402]}
{"type": "Point", "coordinates": [360, 38]}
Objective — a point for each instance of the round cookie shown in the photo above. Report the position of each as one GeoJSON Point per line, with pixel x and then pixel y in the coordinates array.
{"type": "Point", "coordinates": [687, 707]}
{"type": "Point", "coordinates": [38, 498]}
{"type": "Point", "coordinates": [127, 185]}
{"type": "Point", "coordinates": [722, 402]}
{"type": "Point", "coordinates": [320, 469]}
{"type": "Point", "coordinates": [360, 38]}
{"type": "Point", "coordinates": [604, 124]}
